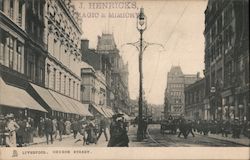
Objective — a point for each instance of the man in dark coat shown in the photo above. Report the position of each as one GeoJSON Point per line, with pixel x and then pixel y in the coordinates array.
{"type": "Point", "coordinates": [2, 130]}
{"type": "Point", "coordinates": [60, 128]}
{"type": "Point", "coordinates": [75, 128]}
{"type": "Point", "coordinates": [102, 129]}
{"type": "Point", "coordinates": [21, 132]}
{"type": "Point", "coordinates": [48, 129]}
{"type": "Point", "coordinates": [190, 128]}
{"type": "Point", "coordinates": [183, 128]}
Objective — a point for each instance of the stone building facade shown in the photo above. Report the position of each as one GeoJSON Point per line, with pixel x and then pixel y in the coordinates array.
{"type": "Point", "coordinates": [174, 92]}
{"type": "Point", "coordinates": [227, 59]}
{"type": "Point", "coordinates": [63, 33]}
{"type": "Point", "coordinates": [93, 91]}
{"type": "Point", "coordinates": [17, 39]}
{"type": "Point", "coordinates": [119, 73]}
{"type": "Point", "coordinates": [194, 100]}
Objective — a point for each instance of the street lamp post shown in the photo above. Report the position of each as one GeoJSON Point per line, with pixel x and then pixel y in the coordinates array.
{"type": "Point", "coordinates": [141, 27]}
{"type": "Point", "coordinates": [141, 46]}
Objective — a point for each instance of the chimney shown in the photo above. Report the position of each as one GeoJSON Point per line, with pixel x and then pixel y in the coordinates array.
{"type": "Point", "coordinates": [84, 45]}
{"type": "Point", "coordinates": [198, 75]}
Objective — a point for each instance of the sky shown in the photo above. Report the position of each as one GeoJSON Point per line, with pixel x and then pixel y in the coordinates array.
{"type": "Point", "coordinates": [177, 25]}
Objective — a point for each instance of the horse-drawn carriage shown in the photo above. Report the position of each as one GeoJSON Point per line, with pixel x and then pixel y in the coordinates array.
{"type": "Point", "coordinates": [169, 126]}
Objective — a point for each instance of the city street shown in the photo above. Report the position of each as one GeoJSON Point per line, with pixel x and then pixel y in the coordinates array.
{"type": "Point", "coordinates": [168, 140]}
{"type": "Point", "coordinates": [155, 139]}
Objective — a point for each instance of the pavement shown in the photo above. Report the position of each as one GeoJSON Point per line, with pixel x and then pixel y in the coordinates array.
{"type": "Point", "coordinates": [68, 140]}
{"type": "Point", "coordinates": [242, 140]}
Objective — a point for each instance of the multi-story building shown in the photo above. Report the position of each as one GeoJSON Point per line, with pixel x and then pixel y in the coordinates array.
{"type": "Point", "coordinates": [62, 68]}
{"type": "Point", "coordinates": [106, 59]}
{"type": "Point", "coordinates": [100, 63]}
{"type": "Point", "coordinates": [119, 72]}
{"type": "Point", "coordinates": [93, 91]}
{"type": "Point", "coordinates": [17, 40]}
{"type": "Point", "coordinates": [194, 100]}
{"type": "Point", "coordinates": [174, 92]}
{"type": "Point", "coordinates": [227, 59]}
{"type": "Point", "coordinates": [39, 58]}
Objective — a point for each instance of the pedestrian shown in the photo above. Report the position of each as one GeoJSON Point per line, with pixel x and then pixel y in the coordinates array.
{"type": "Point", "coordinates": [182, 127]}
{"type": "Point", "coordinates": [48, 129]}
{"type": "Point", "coordinates": [82, 123]}
{"type": "Point", "coordinates": [55, 127]}
{"type": "Point", "coordinates": [190, 128]}
{"type": "Point", "coordinates": [91, 131]}
{"type": "Point", "coordinates": [67, 127]}
{"type": "Point", "coordinates": [75, 128]}
{"type": "Point", "coordinates": [236, 129]}
{"type": "Point", "coordinates": [226, 128]}
{"type": "Point", "coordinates": [118, 132]}
{"type": "Point", "coordinates": [12, 127]}
{"type": "Point", "coordinates": [60, 128]}
{"type": "Point", "coordinates": [144, 126]}
{"type": "Point", "coordinates": [3, 131]}
{"type": "Point", "coordinates": [30, 129]}
{"type": "Point", "coordinates": [41, 127]}
{"type": "Point", "coordinates": [102, 129]}
{"type": "Point", "coordinates": [21, 132]}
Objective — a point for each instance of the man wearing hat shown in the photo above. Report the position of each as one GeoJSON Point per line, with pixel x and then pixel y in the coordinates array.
{"type": "Point", "coordinates": [102, 129]}
{"type": "Point", "coordinates": [2, 130]}
{"type": "Point", "coordinates": [12, 127]}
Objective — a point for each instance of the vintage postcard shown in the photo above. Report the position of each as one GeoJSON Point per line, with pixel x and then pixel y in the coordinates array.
{"type": "Point", "coordinates": [124, 79]}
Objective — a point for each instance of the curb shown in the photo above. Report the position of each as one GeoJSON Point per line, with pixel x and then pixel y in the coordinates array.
{"type": "Point", "coordinates": [227, 141]}
{"type": "Point", "coordinates": [35, 143]}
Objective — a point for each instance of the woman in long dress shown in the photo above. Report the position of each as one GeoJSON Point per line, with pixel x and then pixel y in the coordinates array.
{"type": "Point", "coordinates": [67, 127]}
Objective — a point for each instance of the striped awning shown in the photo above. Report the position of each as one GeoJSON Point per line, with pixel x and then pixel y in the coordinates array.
{"type": "Point", "coordinates": [13, 96]}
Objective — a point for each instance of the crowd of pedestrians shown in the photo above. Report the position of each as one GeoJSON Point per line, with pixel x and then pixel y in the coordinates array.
{"type": "Point", "coordinates": [16, 131]}
{"type": "Point", "coordinates": [235, 127]}
{"type": "Point", "coordinates": [21, 131]}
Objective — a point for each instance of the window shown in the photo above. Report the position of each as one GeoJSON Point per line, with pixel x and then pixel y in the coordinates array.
{"type": "Point", "coordinates": [19, 56]}
{"type": "Point", "coordinates": [11, 9]}
{"type": "Point", "coordinates": [77, 91]}
{"type": "Point", "coordinates": [41, 74]}
{"type": "Point", "coordinates": [64, 82]}
{"type": "Point", "coordinates": [31, 66]}
{"type": "Point", "coordinates": [69, 87]}
{"type": "Point", "coordinates": [11, 52]}
{"type": "Point", "coordinates": [54, 79]}
{"type": "Point", "coordinates": [1, 5]}
{"type": "Point", "coordinates": [74, 90]}
{"type": "Point", "coordinates": [59, 82]}
{"type": "Point", "coordinates": [20, 14]}
{"type": "Point", "coordinates": [48, 74]}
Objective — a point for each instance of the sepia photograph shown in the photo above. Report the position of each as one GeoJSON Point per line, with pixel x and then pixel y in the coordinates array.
{"type": "Point", "coordinates": [146, 79]}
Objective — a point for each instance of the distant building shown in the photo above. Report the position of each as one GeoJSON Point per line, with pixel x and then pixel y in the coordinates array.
{"type": "Point", "coordinates": [101, 64]}
{"type": "Point", "coordinates": [93, 91]}
{"type": "Point", "coordinates": [227, 59]}
{"type": "Point", "coordinates": [194, 100]}
{"type": "Point", "coordinates": [174, 93]}
{"type": "Point", "coordinates": [106, 58]}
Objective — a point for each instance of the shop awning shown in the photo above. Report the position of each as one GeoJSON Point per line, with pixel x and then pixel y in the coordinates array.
{"type": "Point", "coordinates": [71, 105]}
{"type": "Point", "coordinates": [110, 111]}
{"type": "Point", "coordinates": [83, 109]}
{"type": "Point", "coordinates": [107, 112]}
{"type": "Point", "coordinates": [16, 97]}
{"type": "Point", "coordinates": [99, 109]}
{"type": "Point", "coordinates": [64, 103]}
{"type": "Point", "coordinates": [48, 98]}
